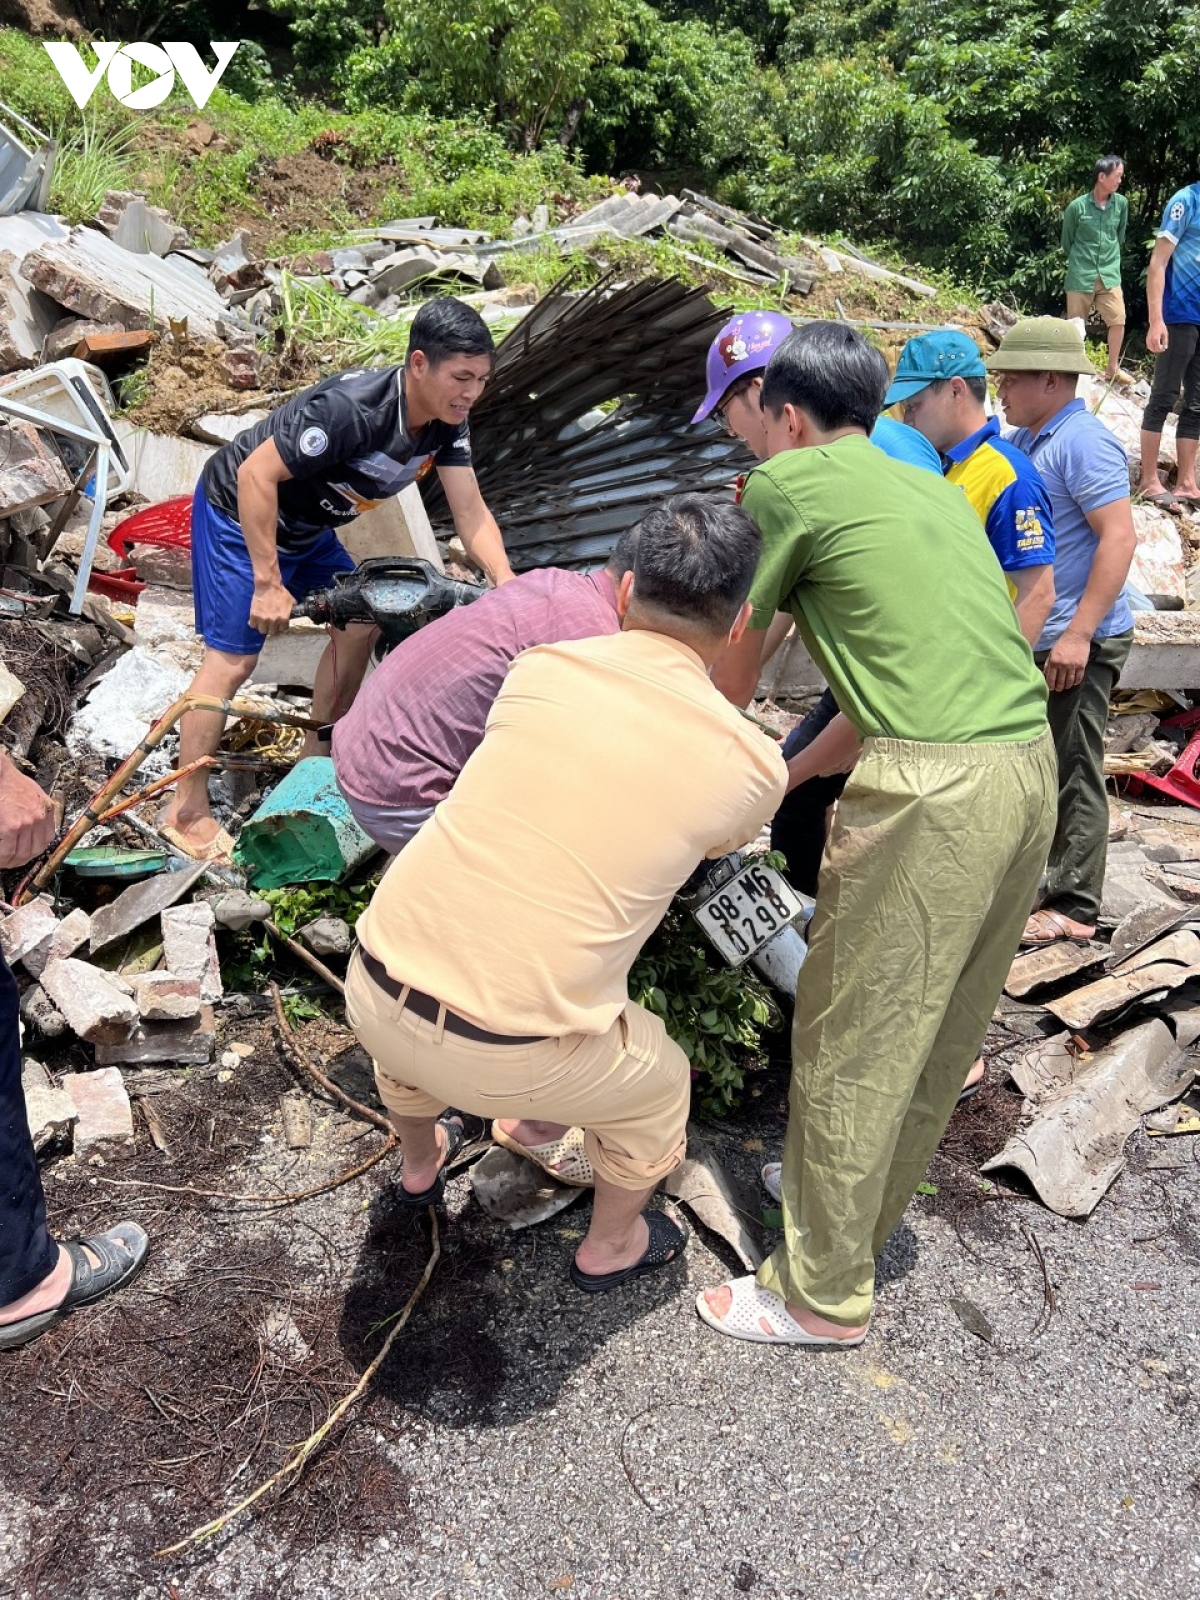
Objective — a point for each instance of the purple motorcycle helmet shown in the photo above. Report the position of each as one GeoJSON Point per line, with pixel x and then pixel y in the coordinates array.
{"type": "Point", "coordinates": [741, 349]}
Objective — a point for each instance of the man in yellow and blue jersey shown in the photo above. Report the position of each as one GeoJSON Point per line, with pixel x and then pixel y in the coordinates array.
{"type": "Point", "coordinates": [941, 382]}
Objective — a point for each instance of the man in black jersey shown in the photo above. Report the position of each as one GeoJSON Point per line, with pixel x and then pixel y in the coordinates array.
{"type": "Point", "coordinates": [267, 504]}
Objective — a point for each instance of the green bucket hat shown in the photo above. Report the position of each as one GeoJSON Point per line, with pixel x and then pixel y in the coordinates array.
{"type": "Point", "coordinates": [1041, 344]}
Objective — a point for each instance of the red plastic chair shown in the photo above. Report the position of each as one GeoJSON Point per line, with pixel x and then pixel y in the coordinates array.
{"type": "Point", "coordinates": [167, 525]}
{"type": "Point", "coordinates": [1181, 782]}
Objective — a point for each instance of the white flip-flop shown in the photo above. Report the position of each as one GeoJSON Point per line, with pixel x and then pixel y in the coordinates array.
{"type": "Point", "coordinates": [772, 1180]}
{"type": "Point", "coordinates": [761, 1317]}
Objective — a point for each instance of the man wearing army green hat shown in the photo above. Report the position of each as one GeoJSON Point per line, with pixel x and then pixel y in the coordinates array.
{"type": "Point", "coordinates": [1087, 635]}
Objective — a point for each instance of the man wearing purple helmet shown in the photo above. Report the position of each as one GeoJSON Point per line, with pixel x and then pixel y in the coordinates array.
{"type": "Point", "coordinates": [737, 359]}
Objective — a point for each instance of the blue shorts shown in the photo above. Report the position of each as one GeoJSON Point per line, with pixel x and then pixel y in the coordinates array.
{"type": "Point", "coordinates": [223, 579]}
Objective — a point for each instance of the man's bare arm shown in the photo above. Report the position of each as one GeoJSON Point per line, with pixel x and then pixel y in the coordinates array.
{"type": "Point", "coordinates": [835, 749]}
{"type": "Point", "coordinates": [736, 670]}
{"type": "Point", "coordinates": [258, 480]}
{"type": "Point", "coordinates": [1035, 599]}
{"type": "Point", "coordinates": [1113, 526]}
{"type": "Point", "coordinates": [475, 524]}
{"type": "Point", "coordinates": [1156, 282]}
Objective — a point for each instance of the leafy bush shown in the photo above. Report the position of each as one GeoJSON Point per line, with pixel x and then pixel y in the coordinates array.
{"type": "Point", "coordinates": [716, 1014]}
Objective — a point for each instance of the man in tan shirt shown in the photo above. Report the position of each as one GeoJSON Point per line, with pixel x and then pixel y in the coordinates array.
{"type": "Point", "coordinates": [494, 960]}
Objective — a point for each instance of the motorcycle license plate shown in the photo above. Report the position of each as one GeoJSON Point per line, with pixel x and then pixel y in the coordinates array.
{"type": "Point", "coordinates": [747, 911]}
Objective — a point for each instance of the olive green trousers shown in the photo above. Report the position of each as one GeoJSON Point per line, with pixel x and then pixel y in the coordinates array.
{"type": "Point", "coordinates": [929, 875]}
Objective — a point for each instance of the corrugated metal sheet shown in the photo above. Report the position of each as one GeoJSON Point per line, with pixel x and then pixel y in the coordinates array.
{"type": "Point", "coordinates": [563, 496]}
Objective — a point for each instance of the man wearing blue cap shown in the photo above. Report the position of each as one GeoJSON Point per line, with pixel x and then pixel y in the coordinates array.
{"type": "Point", "coordinates": [941, 382]}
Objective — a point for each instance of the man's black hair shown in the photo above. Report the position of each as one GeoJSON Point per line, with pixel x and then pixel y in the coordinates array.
{"type": "Point", "coordinates": [830, 371]}
{"type": "Point", "coordinates": [1105, 166]}
{"type": "Point", "coordinates": [445, 327]}
{"type": "Point", "coordinates": [623, 553]}
{"type": "Point", "coordinates": [977, 386]}
{"type": "Point", "coordinates": [695, 560]}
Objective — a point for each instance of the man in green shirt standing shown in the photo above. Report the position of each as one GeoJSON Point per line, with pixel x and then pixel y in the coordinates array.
{"type": "Point", "coordinates": [940, 837]}
{"type": "Point", "coordinates": [1093, 232]}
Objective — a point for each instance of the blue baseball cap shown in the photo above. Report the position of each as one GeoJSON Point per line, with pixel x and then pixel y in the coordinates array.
{"type": "Point", "coordinates": [945, 353]}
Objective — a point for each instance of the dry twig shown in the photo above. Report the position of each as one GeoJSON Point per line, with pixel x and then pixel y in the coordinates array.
{"type": "Point", "coordinates": [1048, 1296]}
{"type": "Point", "coordinates": [304, 1451]}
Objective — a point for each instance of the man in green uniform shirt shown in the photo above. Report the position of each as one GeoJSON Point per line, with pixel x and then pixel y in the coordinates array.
{"type": "Point", "coordinates": [1093, 233]}
{"type": "Point", "coordinates": [940, 838]}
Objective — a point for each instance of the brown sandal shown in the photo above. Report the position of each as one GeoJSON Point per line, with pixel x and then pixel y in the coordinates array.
{"type": "Point", "coordinates": [1051, 927]}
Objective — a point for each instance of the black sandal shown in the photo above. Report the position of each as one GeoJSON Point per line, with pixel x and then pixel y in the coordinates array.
{"type": "Point", "coordinates": [455, 1133]}
{"type": "Point", "coordinates": [121, 1251]}
{"type": "Point", "coordinates": [667, 1242]}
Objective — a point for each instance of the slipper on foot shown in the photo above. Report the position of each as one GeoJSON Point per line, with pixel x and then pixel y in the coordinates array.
{"type": "Point", "coordinates": [1165, 501]}
{"type": "Point", "coordinates": [761, 1317]}
{"type": "Point", "coordinates": [667, 1242]}
{"type": "Point", "coordinates": [120, 1251]}
{"type": "Point", "coordinates": [561, 1159]}
{"type": "Point", "coordinates": [432, 1196]}
{"type": "Point", "coordinates": [772, 1179]}
{"type": "Point", "coordinates": [1051, 927]}
{"type": "Point", "coordinates": [218, 850]}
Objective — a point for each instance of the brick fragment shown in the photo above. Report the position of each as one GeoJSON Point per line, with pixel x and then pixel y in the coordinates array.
{"type": "Point", "coordinates": [187, 1043]}
{"type": "Point", "coordinates": [105, 1115]}
{"type": "Point", "coordinates": [91, 1001]}
{"type": "Point", "coordinates": [166, 997]}
{"type": "Point", "coordinates": [26, 928]}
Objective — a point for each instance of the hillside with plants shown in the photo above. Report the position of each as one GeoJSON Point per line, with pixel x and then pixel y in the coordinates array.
{"type": "Point", "coordinates": [950, 134]}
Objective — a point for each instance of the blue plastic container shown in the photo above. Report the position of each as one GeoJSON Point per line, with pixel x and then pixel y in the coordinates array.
{"type": "Point", "coordinates": [303, 832]}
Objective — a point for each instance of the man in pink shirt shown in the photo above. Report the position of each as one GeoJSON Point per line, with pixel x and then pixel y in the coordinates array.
{"type": "Point", "coordinates": [406, 738]}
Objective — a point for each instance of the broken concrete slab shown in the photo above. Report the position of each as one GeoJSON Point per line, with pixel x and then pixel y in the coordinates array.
{"type": "Point", "coordinates": [140, 902]}
{"type": "Point", "coordinates": [1038, 969]}
{"type": "Point", "coordinates": [161, 466]}
{"type": "Point", "coordinates": [90, 274]}
{"type": "Point", "coordinates": [26, 928]}
{"type": "Point", "coordinates": [71, 934]}
{"type": "Point", "coordinates": [50, 1112]}
{"type": "Point", "coordinates": [186, 1043]}
{"type": "Point", "coordinates": [189, 947]}
{"type": "Point", "coordinates": [516, 1192]}
{"type": "Point", "coordinates": [105, 1114]}
{"type": "Point", "coordinates": [1084, 1107]}
{"type": "Point", "coordinates": [139, 227]}
{"type": "Point", "coordinates": [91, 1000]}
{"type": "Point", "coordinates": [703, 1185]}
{"type": "Point", "coordinates": [63, 339]}
{"type": "Point", "coordinates": [165, 997]}
{"type": "Point", "coordinates": [26, 316]}
{"type": "Point", "coordinates": [29, 474]}
{"type": "Point", "coordinates": [220, 427]}
{"type": "Point", "coordinates": [39, 1012]}
{"type": "Point", "coordinates": [296, 1112]}
{"type": "Point", "coordinates": [290, 659]}
{"type": "Point", "coordinates": [396, 527]}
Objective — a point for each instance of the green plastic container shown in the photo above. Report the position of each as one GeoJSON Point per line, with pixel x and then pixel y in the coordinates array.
{"type": "Point", "coordinates": [303, 832]}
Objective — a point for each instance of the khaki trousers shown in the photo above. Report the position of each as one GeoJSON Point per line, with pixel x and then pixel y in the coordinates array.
{"type": "Point", "coordinates": [928, 878]}
{"type": "Point", "coordinates": [629, 1088]}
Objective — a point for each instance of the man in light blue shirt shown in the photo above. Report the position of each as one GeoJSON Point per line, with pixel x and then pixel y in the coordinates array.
{"type": "Point", "coordinates": [1173, 295]}
{"type": "Point", "coordinates": [1090, 628]}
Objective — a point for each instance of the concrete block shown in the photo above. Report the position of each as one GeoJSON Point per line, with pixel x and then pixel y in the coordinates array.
{"type": "Point", "coordinates": [327, 936]}
{"type": "Point", "coordinates": [71, 934]}
{"type": "Point", "coordinates": [91, 1001]}
{"type": "Point", "coordinates": [397, 527]}
{"type": "Point", "coordinates": [164, 997]}
{"type": "Point", "coordinates": [105, 1115]}
{"type": "Point", "coordinates": [189, 947]}
{"type": "Point", "coordinates": [291, 659]}
{"type": "Point", "coordinates": [186, 1043]}
{"type": "Point", "coordinates": [50, 1112]}
{"type": "Point", "coordinates": [236, 909]}
{"type": "Point", "coordinates": [26, 928]}
{"type": "Point", "coordinates": [164, 615]}
{"type": "Point", "coordinates": [219, 427]}
{"type": "Point", "coordinates": [139, 903]}
{"type": "Point", "coordinates": [161, 466]}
